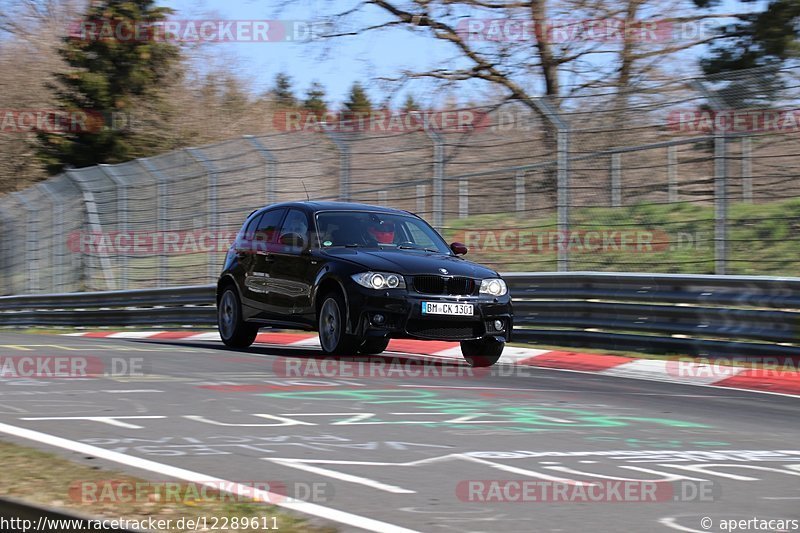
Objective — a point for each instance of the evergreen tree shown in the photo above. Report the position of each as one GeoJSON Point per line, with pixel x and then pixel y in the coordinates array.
{"type": "Point", "coordinates": [111, 77]}
{"type": "Point", "coordinates": [282, 92]}
{"type": "Point", "coordinates": [410, 104]}
{"type": "Point", "coordinates": [766, 40]}
{"type": "Point", "coordinates": [358, 101]}
{"type": "Point", "coordinates": [315, 99]}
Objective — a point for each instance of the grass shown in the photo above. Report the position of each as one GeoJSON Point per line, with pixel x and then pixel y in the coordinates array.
{"type": "Point", "coordinates": [47, 479]}
{"type": "Point", "coordinates": [763, 239]}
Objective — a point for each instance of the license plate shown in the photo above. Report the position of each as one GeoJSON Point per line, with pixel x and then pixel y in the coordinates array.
{"type": "Point", "coordinates": [442, 308]}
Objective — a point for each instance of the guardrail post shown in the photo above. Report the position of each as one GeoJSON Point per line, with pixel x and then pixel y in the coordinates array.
{"type": "Point", "coordinates": [32, 222]}
{"type": "Point", "coordinates": [162, 181]}
{"type": "Point", "coordinates": [519, 189]}
{"type": "Point", "coordinates": [672, 174]}
{"type": "Point", "coordinates": [344, 163]}
{"type": "Point", "coordinates": [438, 177]}
{"type": "Point", "coordinates": [272, 167]}
{"type": "Point", "coordinates": [122, 219]}
{"type": "Point", "coordinates": [747, 169]}
{"type": "Point", "coordinates": [93, 222]}
{"type": "Point", "coordinates": [213, 214]}
{"type": "Point", "coordinates": [59, 244]}
{"type": "Point", "coordinates": [616, 180]}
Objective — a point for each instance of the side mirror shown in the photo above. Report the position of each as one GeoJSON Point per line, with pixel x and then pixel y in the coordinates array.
{"type": "Point", "coordinates": [459, 248]}
{"type": "Point", "coordinates": [292, 240]}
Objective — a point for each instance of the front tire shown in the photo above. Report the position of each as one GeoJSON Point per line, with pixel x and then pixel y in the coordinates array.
{"type": "Point", "coordinates": [373, 346]}
{"type": "Point", "coordinates": [234, 331]}
{"type": "Point", "coordinates": [331, 327]}
{"type": "Point", "coordinates": [482, 352]}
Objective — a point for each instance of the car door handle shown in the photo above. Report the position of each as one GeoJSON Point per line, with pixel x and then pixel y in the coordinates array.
{"type": "Point", "coordinates": [267, 255]}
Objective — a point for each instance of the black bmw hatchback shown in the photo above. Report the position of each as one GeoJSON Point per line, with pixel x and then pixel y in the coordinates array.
{"type": "Point", "coordinates": [359, 275]}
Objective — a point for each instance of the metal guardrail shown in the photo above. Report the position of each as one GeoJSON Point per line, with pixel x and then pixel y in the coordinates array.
{"type": "Point", "coordinates": [699, 315]}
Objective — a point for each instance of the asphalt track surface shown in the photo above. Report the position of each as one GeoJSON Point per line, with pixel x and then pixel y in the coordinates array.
{"type": "Point", "coordinates": [423, 453]}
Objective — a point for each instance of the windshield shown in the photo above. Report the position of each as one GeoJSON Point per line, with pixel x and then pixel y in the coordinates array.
{"type": "Point", "coordinates": [365, 229]}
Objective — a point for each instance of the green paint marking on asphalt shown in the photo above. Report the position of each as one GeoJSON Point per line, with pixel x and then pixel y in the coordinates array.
{"type": "Point", "coordinates": [527, 418]}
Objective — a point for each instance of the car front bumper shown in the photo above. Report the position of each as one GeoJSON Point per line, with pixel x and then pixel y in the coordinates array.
{"type": "Point", "coordinates": [401, 310]}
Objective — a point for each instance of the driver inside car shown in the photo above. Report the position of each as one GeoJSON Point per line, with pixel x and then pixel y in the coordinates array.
{"type": "Point", "coordinates": [381, 230]}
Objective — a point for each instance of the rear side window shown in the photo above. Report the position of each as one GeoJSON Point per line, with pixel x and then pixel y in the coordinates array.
{"type": "Point", "coordinates": [245, 235]}
{"type": "Point", "coordinates": [266, 231]}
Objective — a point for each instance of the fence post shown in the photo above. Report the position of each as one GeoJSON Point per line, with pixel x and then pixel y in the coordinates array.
{"type": "Point", "coordinates": [519, 189]}
{"type": "Point", "coordinates": [5, 270]}
{"type": "Point", "coordinates": [463, 198]}
{"type": "Point", "coordinates": [672, 174]}
{"type": "Point", "coordinates": [213, 212]}
{"type": "Point", "coordinates": [93, 222]}
{"type": "Point", "coordinates": [344, 163]}
{"type": "Point", "coordinates": [747, 169]}
{"type": "Point", "coordinates": [562, 169]}
{"type": "Point", "coordinates": [272, 167]}
{"type": "Point", "coordinates": [122, 218]}
{"type": "Point", "coordinates": [720, 185]}
{"type": "Point", "coordinates": [59, 248]}
{"type": "Point", "coordinates": [32, 223]}
{"type": "Point", "coordinates": [616, 180]}
{"type": "Point", "coordinates": [421, 199]}
{"type": "Point", "coordinates": [438, 177]}
{"type": "Point", "coordinates": [161, 222]}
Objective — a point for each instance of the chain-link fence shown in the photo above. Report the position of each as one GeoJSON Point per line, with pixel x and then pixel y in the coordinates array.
{"type": "Point", "coordinates": [691, 176]}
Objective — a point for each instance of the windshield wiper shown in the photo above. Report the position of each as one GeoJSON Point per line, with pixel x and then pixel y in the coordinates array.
{"type": "Point", "coordinates": [422, 249]}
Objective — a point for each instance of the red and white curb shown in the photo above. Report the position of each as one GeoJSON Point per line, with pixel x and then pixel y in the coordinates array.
{"type": "Point", "coordinates": [783, 378]}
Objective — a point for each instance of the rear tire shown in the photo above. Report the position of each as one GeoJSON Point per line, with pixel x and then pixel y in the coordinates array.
{"type": "Point", "coordinates": [373, 346]}
{"type": "Point", "coordinates": [234, 331]}
{"type": "Point", "coordinates": [331, 325]}
{"type": "Point", "coordinates": [482, 352]}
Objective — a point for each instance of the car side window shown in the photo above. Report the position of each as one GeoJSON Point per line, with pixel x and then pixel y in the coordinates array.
{"type": "Point", "coordinates": [245, 235]}
{"type": "Point", "coordinates": [265, 235]}
{"type": "Point", "coordinates": [295, 225]}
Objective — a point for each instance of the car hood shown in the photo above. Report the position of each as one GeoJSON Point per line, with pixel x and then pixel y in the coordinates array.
{"type": "Point", "coordinates": [411, 262]}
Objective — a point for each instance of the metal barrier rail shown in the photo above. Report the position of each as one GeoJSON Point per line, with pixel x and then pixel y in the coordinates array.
{"type": "Point", "coordinates": [699, 315]}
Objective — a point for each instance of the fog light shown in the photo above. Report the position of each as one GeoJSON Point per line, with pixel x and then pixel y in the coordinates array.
{"type": "Point", "coordinates": [378, 319]}
{"type": "Point", "coordinates": [498, 325]}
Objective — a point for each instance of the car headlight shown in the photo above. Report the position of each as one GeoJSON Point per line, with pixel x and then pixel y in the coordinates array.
{"type": "Point", "coordinates": [493, 286]}
{"type": "Point", "coordinates": [379, 280]}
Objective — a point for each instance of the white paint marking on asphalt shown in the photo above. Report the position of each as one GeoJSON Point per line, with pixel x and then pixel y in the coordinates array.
{"type": "Point", "coordinates": [670, 523]}
{"type": "Point", "coordinates": [133, 334]}
{"type": "Point", "coordinates": [311, 341]}
{"type": "Point", "coordinates": [110, 420]}
{"type": "Point", "coordinates": [210, 336]}
{"type": "Point", "coordinates": [130, 391]}
{"type": "Point", "coordinates": [673, 371]}
{"type": "Point", "coordinates": [344, 477]}
{"type": "Point", "coordinates": [320, 511]}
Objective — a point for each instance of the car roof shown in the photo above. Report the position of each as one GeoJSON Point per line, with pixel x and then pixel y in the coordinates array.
{"type": "Point", "coordinates": [315, 206]}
